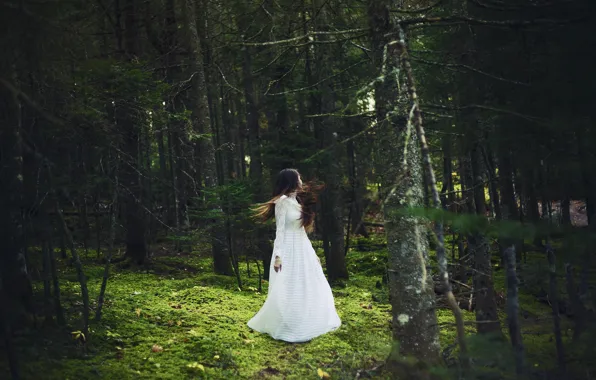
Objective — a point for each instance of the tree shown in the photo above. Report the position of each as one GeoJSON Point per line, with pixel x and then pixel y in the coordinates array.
{"type": "Point", "coordinates": [201, 125]}
{"type": "Point", "coordinates": [411, 288]}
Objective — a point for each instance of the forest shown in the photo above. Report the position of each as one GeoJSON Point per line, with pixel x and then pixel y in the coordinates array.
{"type": "Point", "coordinates": [454, 140]}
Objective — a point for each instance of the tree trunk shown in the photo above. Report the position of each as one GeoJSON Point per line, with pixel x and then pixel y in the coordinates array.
{"type": "Point", "coordinates": [577, 307]}
{"type": "Point", "coordinates": [326, 130]}
{"type": "Point", "coordinates": [584, 148]}
{"type": "Point", "coordinates": [487, 315]}
{"type": "Point", "coordinates": [254, 146]}
{"type": "Point", "coordinates": [201, 123]}
{"type": "Point", "coordinates": [553, 297]}
{"type": "Point", "coordinates": [333, 218]}
{"type": "Point", "coordinates": [56, 284]}
{"type": "Point", "coordinates": [566, 211]}
{"type": "Point", "coordinates": [492, 182]}
{"type": "Point", "coordinates": [447, 189]}
{"type": "Point", "coordinates": [76, 259]}
{"type": "Point", "coordinates": [136, 247]}
{"type": "Point", "coordinates": [163, 171]}
{"type": "Point", "coordinates": [509, 207]}
{"type": "Point", "coordinates": [358, 181]}
{"type": "Point", "coordinates": [411, 288]}
{"type": "Point", "coordinates": [513, 308]}
{"type": "Point", "coordinates": [15, 287]}
{"type": "Point", "coordinates": [110, 254]}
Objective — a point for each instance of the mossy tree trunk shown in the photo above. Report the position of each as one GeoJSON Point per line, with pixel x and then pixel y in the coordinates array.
{"type": "Point", "coordinates": [400, 171]}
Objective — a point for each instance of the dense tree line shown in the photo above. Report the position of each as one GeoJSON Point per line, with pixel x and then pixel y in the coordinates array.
{"type": "Point", "coordinates": [126, 123]}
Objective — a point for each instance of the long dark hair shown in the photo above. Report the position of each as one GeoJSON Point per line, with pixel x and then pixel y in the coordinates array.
{"type": "Point", "coordinates": [288, 182]}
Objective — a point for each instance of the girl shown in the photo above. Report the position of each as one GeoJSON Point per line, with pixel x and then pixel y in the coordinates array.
{"type": "Point", "coordinates": [299, 305]}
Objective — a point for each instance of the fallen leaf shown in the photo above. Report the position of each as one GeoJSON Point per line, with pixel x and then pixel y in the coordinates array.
{"type": "Point", "coordinates": [157, 348]}
{"type": "Point", "coordinates": [248, 341]}
{"type": "Point", "coordinates": [138, 311]}
{"type": "Point", "coordinates": [216, 357]}
{"type": "Point", "coordinates": [196, 366]}
{"type": "Point", "coordinates": [78, 335]}
{"type": "Point", "coordinates": [322, 374]}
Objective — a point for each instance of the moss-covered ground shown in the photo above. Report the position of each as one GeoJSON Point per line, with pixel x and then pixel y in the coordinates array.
{"type": "Point", "coordinates": [177, 320]}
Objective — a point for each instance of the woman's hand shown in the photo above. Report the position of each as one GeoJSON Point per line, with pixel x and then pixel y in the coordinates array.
{"type": "Point", "coordinates": [277, 264]}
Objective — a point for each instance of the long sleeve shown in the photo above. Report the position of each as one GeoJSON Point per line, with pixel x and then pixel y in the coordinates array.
{"type": "Point", "coordinates": [280, 223]}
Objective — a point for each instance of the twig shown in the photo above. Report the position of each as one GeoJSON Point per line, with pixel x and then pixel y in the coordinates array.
{"type": "Point", "coordinates": [225, 80]}
{"type": "Point", "coordinates": [489, 108]}
{"type": "Point", "coordinates": [303, 37]}
{"type": "Point", "coordinates": [470, 68]}
{"type": "Point", "coordinates": [454, 19]}
{"type": "Point", "coordinates": [314, 84]}
{"type": "Point", "coordinates": [419, 10]}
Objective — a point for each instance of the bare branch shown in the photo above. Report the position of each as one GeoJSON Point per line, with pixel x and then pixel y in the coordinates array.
{"type": "Point", "coordinates": [315, 84]}
{"type": "Point", "coordinates": [225, 80]}
{"type": "Point", "coordinates": [419, 10]}
{"type": "Point", "coordinates": [504, 8]}
{"type": "Point", "coordinates": [366, 114]}
{"type": "Point", "coordinates": [18, 93]}
{"type": "Point", "coordinates": [470, 68]}
{"type": "Point", "coordinates": [474, 21]}
{"type": "Point", "coordinates": [303, 37]}
{"type": "Point", "coordinates": [490, 108]}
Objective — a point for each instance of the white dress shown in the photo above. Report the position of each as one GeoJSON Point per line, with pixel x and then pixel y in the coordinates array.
{"type": "Point", "coordinates": [299, 305]}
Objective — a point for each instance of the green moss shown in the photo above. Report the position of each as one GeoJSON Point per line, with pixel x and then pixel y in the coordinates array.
{"type": "Point", "coordinates": [199, 320]}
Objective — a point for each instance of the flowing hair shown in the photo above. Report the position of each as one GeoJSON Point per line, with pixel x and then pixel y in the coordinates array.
{"type": "Point", "coordinates": [306, 195]}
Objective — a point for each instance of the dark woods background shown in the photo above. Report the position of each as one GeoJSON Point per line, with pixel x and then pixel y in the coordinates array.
{"type": "Point", "coordinates": [126, 125]}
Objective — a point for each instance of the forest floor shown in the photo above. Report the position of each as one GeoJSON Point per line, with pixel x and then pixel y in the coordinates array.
{"type": "Point", "coordinates": [177, 320]}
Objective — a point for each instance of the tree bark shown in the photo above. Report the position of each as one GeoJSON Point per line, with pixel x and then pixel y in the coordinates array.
{"type": "Point", "coordinates": [15, 288]}
{"type": "Point", "coordinates": [509, 207]}
{"type": "Point", "coordinates": [486, 306]}
{"type": "Point", "coordinates": [201, 123]}
{"type": "Point", "coordinates": [553, 298]}
{"type": "Point", "coordinates": [513, 309]}
{"type": "Point", "coordinates": [411, 288]}
{"type": "Point", "coordinates": [136, 246]}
